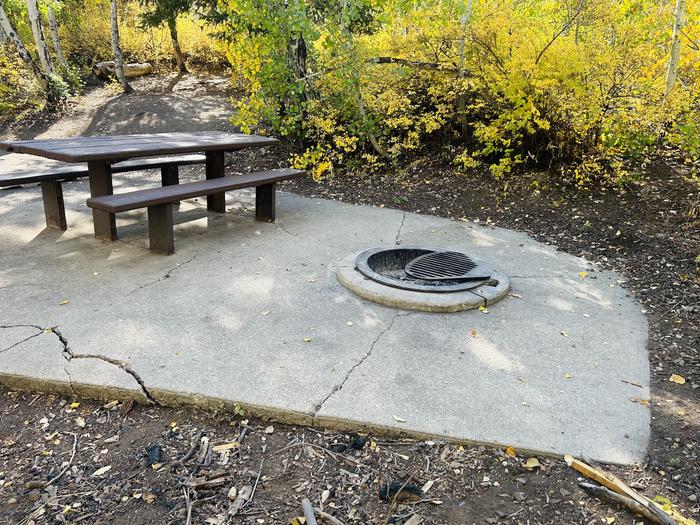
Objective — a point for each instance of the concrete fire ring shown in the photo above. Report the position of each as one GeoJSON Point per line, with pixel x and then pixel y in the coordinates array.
{"type": "Point", "coordinates": [484, 295]}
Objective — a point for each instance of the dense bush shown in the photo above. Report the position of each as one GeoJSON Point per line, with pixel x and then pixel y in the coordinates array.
{"type": "Point", "coordinates": [531, 82]}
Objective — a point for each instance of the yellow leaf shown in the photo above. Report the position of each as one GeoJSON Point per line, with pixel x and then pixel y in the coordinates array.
{"type": "Point", "coordinates": [510, 452]}
{"type": "Point", "coordinates": [307, 339]}
{"type": "Point", "coordinates": [483, 309]}
{"type": "Point", "coordinates": [75, 405]}
{"type": "Point", "coordinates": [102, 470]}
{"type": "Point", "coordinates": [65, 301]}
{"type": "Point", "coordinates": [675, 378]}
{"type": "Point", "coordinates": [531, 464]}
{"type": "Point", "coordinates": [583, 275]}
{"type": "Point", "coordinates": [473, 332]}
{"type": "Point", "coordinates": [149, 498]}
{"type": "Point", "coordinates": [610, 520]}
{"type": "Point", "coordinates": [567, 376]}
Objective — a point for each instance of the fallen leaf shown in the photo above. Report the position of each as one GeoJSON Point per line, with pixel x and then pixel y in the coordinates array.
{"type": "Point", "coordinates": [473, 332]}
{"type": "Point", "coordinates": [65, 301]}
{"type": "Point", "coordinates": [567, 376]}
{"type": "Point", "coordinates": [583, 275]}
{"type": "Point", "coordinates": [226, 446]}
{"type": "Point", "coordinates": [675, 378]}
{"type": "Point", "coordinates": [565, 333]}
{"type": "Point", "coordinates": [269, 430]}
{"type": "Point", "coordinates": [266, 312]}
{"type": "Point", "coordinates": [399, 419]}
{"type": "Point", "coordinates": [349, 323]}
{"type": "Point", "coordinates": [307, 339]}
{"type": "Point", "coordinates": [101, 470]}
{"type": "Point", "coordinates": [483, 309]}
{"type": "Point", "coordinates": [80, 422]}
{"type": "Point", "coordinates": [75, 405]}
{"type": "Point", "coordinates": [111, 404]}
{"type": "Point", "coordinates": [531, 464]}
{"type": "Point", "coordinates": [510, 452]}
{"type": "Point", "coordinates": [610, 520]}
{"type": "Point", "coordinates": [149, 498]}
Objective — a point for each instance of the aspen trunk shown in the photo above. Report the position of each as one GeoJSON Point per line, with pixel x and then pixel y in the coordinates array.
{"type": "Point", "coordinates": [464, 20]}
{"type": "Point", "coordinates": [117, 49]}
{"type": "Point", "coordinates": [53, 27]}
{"type": "Point", "coordinates": [3, 36]}
{"type": "Point", "coordinates": [12, 35]}
{"type": "Point", "coordinates": [679, 22]}
{"type": "Point", "coordinates": [39, 40]}
{"type": "Point", "coordinates": [179, 56]}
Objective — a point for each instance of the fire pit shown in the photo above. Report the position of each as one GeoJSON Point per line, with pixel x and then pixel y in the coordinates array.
{"type": "Point", "coordinates": [420, 278]}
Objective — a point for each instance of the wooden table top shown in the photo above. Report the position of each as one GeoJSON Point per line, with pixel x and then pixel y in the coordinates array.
{"type": "Point", "coordinates": [117, 147]}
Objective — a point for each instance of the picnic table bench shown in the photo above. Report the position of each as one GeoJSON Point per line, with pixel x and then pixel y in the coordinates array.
{"type": "Point", "coordinates": [50, 179]}
{"type": "Point", "coordinates": [108, 154]}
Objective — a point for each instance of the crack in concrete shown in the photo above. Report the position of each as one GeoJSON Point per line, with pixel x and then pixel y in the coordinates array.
{"type": "Point", "coordinates": [39, 329]}
{"type": "Point", "coordinates": [339, 387]}
{"type": "Point", "coordinates": [69, 355]}
{"type": "Point", "coordinates": [165, 276]}
{"type": "Point", "coordinates": [285, 230]}
{"type": "Point", "coordinates": [397, 240]}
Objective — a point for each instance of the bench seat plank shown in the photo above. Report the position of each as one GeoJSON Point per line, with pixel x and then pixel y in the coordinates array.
{"type": "Point", "coordinates": [64, 173]}
{"type": "Point", "coordinates": [155, 196]}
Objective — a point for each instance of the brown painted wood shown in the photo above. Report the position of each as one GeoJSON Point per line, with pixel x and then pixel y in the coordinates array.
{"type": "Point", "coordinates": [105, 223]}
{"type": "Point", "coordinates": [160, 229]}
{"type": "Point", "coordinates": [54, 209]}
{"type": "Point", "coordinates": [154, 196]}
{"type": "Point", "coordinates": [265, 200]}
{"type": "Point", "coordinates": [76, 172]}
{"type": "Point", "coordinates": [215, 170]}
{"type": "Point", "coordinates": [82, 149]}
{"type": "Point", "coordinates": [169, 175]}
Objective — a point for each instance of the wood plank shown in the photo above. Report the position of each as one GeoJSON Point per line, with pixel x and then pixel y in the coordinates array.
{"type": "Point", "coordinates": [265, 201]}
{"type": "Point", "coordinates": [54, 209]}
{"type": "Point", "coordinates": [83, 149]}
{"type": "Point", "coordinates": [75, 172]}
{"type": "Point", "coordinates": [101, 184]}
{"type": "Point", "coordinates": [160, 229]}
{"type": "Point", "coordinates": [155, 196]}
{"type": "Point", "coordinates": [215, 170]}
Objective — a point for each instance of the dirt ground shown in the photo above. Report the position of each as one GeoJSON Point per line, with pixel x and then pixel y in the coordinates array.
{"type": "Point", "coordinates": [181, 465]}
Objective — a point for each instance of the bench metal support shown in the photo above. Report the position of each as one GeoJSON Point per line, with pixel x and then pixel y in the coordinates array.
{"type": "Point", "coordinates": [265, 200]}
{"type": "Point", "coordinates": [215, 170]}
{"type": "Point", "coordinates": [160, 229]}
{"type": "Point", "coordinates": [54, 209]}
{"type": "Point", "coordinates": [100, 173]}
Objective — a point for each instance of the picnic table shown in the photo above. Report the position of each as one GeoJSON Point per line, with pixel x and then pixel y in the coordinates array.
{"type": "Point", "coordinates": [101, 152]}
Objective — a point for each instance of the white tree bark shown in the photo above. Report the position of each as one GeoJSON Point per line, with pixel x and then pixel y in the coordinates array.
{"type": "Point", "coordinates": [41, 48]}
{"type": "Point", "coordinates": [53, 26]}
{"type": "Point", "coordinates": [12, 35]}
{"type": "Point", "coordinates": [117, 49]}
{"type": "Point", "coordinates": [464, 20]}
{"type": "Point", "coordinates": [3, 36]}
{"type": "Point", "coordinates": [678, 23]}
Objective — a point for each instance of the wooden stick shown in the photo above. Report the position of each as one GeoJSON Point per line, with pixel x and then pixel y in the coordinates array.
{"type": "Point", "coordinates": [70, 461]}
{"type": "Point", "coordinates": [615, 484]}
{"type": "Point", "coordinates": [328, 517]}
{"type": "Point", "coordinates": [631, 504]}
{"type": "Point", "coordinates": [308, 512]}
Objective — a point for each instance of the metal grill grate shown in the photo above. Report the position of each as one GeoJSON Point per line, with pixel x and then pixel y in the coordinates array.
{"type": "Point", "coordinates": [441, 266]}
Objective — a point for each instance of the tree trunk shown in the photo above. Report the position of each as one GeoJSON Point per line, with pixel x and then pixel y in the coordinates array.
{"type": "Point", "coordinates": [179, 57]}
{"type": "Point", "coordinates": [679, 22]}
{"type": "Point", "coordinates": [12, 35]}
{"type": "Point", "coordinates": [3, 36]}
{"type": "Point", "coordinates": [117, 49]}
{"type": "Point", "coordinates": [39, 40]}
{"type": "Point", "coordinates": [53, 27]}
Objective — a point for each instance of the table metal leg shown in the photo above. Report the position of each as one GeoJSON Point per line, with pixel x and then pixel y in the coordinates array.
{"type": "Point", "coordinates": [100, 173]}
{"type": "Point", "coordinates": [215, 170]}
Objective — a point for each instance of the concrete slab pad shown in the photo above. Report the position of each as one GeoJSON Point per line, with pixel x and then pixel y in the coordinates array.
{"type": "Point", "coordinates": [251, 313]}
